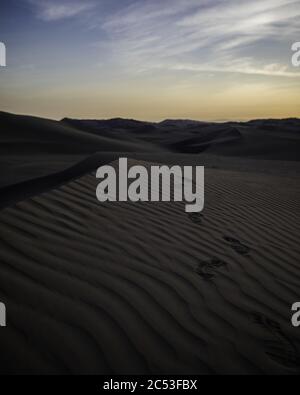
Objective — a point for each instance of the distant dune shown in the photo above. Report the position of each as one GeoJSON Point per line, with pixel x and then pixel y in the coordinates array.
{"type": "Point", "coordinates": [265, 139]}
{"type": "Point", "coordinates": [32, 147]}
{"type": "Point", "coordinates": [144, 288]}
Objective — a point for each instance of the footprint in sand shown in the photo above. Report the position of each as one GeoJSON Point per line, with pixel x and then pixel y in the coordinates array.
{"type": "Point", "coordinates": [207, 270]}
{"type": "Point", "coordinates": [277, 345]}
{"type": "Point", "coordinates": [238, 247]}
{"type": "Point", "coordinates": [197, 218]}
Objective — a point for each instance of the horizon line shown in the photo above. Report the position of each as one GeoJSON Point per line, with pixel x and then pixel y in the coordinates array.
{"type": "Point", "coordinates": [240, 120]}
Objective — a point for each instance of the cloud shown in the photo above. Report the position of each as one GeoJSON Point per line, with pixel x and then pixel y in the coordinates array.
{"type": "Point", "coordinates": [193, 36]}
{"type": "Point", "coordinates": [241, 67]}
{"type": "Point", "coordinates": [215, 35]}
{"type": "Point", "coordinates": [53, 10]}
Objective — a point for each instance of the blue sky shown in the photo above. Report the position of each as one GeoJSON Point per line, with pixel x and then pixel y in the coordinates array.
{"type": "Point", "coordinates": [150, 59]}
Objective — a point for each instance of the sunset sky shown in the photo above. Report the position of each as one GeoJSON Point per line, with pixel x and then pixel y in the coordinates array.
{"type": "Point", "coordinates": [150, 59]}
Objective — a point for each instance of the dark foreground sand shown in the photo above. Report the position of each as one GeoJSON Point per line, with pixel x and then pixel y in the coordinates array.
{"type": "Point", "coordinates": [133, 288]}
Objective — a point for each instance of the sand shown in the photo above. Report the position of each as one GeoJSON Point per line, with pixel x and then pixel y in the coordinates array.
{"type": "Point", "coordinates": [144, 288]}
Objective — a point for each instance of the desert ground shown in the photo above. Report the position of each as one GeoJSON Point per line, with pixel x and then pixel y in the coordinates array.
{"type": "Point", "coordinates": [145, 288]}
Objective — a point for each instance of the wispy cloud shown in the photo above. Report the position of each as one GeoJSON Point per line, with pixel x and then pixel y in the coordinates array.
{"type": "Point", "coordinates": [229, 36]}
{"type": "Point", "coordinates": [243, 66]}
{"type": "Point", "coordinates": [55, 10]}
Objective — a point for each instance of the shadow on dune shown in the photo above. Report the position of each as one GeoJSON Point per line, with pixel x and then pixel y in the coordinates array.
{"type": "Point", "coordinates": [36, 153]}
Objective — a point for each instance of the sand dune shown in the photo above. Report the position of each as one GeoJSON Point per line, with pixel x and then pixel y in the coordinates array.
{"type": "Point", "coordinates": [144, 287]}
{"type": "Point", "coordinates": [32, 147]}
{"type": "Point", "coordinates": [264, 139]}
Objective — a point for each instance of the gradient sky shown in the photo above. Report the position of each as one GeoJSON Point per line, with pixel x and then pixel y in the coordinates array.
{"type": "Point", "coordinates": [150, 59]}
